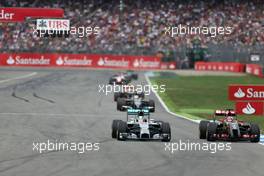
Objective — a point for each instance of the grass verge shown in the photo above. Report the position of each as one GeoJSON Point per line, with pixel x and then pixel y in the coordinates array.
{"type": "Point", "coordinates": [197, 97]}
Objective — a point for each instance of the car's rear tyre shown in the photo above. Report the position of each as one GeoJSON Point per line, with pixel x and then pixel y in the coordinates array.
{"type": "Point", "coordinates": [116, 96]}
{"type": "Point", "coordinates": [111, 81]}
{"type": "Point", "coordinates": [234, 137]}
{"type": "Point", "coordinates": [165, 129]}
{"type": "Point", "coordinates": [152, 104]}
{"type": "Point", "coordinates": [120, 103]}
{"type": "Point", "coordinates": [202, 129]}
{"type": "Point", "coordinates": [211, 131]}
{"type": "Point", "coordinates": [135, 76]}
{"type": "Point", "coordinates": [142, 95]}
{"type": "Point", "coordinates": [115, 127]}
{"type": "Point", "coordinates": [125, 82]}
{"type": "Point", "coordinates": [254, 130]}
{"type": "Point", "coordinates": [122, 128]}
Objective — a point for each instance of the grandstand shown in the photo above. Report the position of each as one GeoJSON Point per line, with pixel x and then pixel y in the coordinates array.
{"type": "Point", "coordinates": [138, 28]}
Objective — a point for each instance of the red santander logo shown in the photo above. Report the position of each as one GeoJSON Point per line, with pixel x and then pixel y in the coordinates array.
{"type": "Point", "coordinates": [5, 15]}
{"type": "Point", "coordinates": [250, 108]}
{"type": "Point", "coordinates": [111, 62]}
{"type": "Point", "coordinates": [246, 92]}
{"type": "Point", "coordinates": [26, 60]}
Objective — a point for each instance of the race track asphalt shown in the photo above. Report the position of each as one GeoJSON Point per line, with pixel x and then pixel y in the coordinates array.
{"type": "Point", "coordinates": [65, 105]}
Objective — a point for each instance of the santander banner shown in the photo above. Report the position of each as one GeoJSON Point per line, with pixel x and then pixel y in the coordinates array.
{"type": "Point", "coordinates": [250, 108]}
{"type": "Point", "coordinates": [254, 69]}
{"type": "Point", "coordinates": [14, 14]}
{"type": "Point", "coordinates": [246, 92]}
{"type": "Point", "coordinates": [80, 60]}
{"type": "Point", "coordinates": [220, 66]}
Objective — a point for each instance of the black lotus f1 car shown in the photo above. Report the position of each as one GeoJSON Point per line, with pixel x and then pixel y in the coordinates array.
{"type": "Point", "coordinates": [228, 128]}
{"type": "Point", "coordinates": [136, 101]}
{"type": "Point", "coordinates": [128, 95]}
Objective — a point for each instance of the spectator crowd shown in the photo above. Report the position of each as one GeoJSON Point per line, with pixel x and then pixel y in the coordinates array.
{"type": "Point", "coordinates": [131, 25]}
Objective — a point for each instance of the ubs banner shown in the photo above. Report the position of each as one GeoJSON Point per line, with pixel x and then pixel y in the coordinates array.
{"type": "Point", "coordinates": [249, 98]}
{"type": "Point", "coordinates": [80, 60]}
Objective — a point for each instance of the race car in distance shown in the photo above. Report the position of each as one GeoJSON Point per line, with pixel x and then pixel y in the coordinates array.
{"type": "Point", "coordinates": [140, 126]}
{"type": "Point", "coordinates": [119, 79]}
{"type": "Point", "coordinates": [128, 94]}
{"type": "Point", "coordinates": [132, 75]}
{"type": "Point", "coordinates": [123, 78]}
{"type": "Point", "coordinates": [228, 128]}
{"type": "Point", "coordinates": [136, 101]}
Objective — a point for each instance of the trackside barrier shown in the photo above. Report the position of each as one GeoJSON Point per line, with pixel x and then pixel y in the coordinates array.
{"type": "Point", "coordinates": [254, 69]}
{"type": "Point", "coordinates": [83, 60]}
{"type": "Point", "coordinates": [168, 65]}
{"type": "Point", "coordinates": [220, 66]}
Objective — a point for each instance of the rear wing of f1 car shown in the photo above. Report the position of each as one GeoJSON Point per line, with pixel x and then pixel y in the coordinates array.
{"type": "Point", "coordinates": [131, 111]}
{"type": "Point", "coordinates": [136, 112]}
{"type": "Point", "coordinates": [227, 112]}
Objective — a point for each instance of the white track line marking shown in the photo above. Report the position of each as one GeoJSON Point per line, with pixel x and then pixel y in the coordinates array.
{"type": "Point", "coordinates": [262, 139]}
{"type": "Point", "coordinates": [177, 115]}
{"type": "Point", "coordinates": [19, 77]}
{"type": "Point", "coordinates": [165, 106]}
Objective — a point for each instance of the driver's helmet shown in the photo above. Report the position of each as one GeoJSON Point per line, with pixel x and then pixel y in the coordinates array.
{"type": "Point", "coordinates": [136, 96]}
{"type": "Point", "coordinates": [141, 114]}
{"type": "Point", "coordinates": [120, 75]}
{"type": "Point", "coordinates": [229, 119]}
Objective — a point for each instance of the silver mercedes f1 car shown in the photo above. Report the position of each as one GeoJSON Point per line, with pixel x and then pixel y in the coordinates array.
{"type": "Point", "coordinates": [140, 126]}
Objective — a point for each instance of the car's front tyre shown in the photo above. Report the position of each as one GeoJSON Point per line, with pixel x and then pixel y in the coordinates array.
{"type": "Point", "coordinates": [165, 129]}
{"type": "Point", "coordinates": [122, 128]}
{"type": "Point", "coordinates": [202, 129]}
{"type": "Point", "coordinates": [211, 131]}
{"type": "Point", "coordinates": [115, 127]}
{"type": "Point", "coordinates": [254, 130]}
